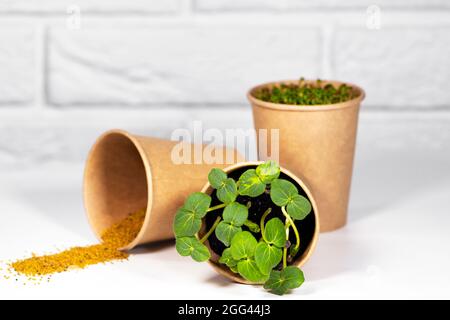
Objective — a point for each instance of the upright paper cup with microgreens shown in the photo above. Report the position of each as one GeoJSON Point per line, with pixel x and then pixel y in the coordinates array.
{"type": "Point", "coordinates": [128, 174]}
{"type": "Point", "coordinates": [255, 223]}
{"type": "Point", "coordinates": [317, 123]}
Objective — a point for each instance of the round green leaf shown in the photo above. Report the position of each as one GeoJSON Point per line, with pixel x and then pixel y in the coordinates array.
{"type": "Point", "coordinates": [234, 269]}
{"type": "Point", "coordinates": [217, 177]}
{"type": "Point", "coordinates": [191, 246]}
{"type": "Point", "coordinates": [227, 258]}
{"type": "Point", "coordinates": [282, 192]}
{"type": "Point", "coordinates": [201, 252]}
{"type": "Point", "coordinates": [184, 246]}
{"type": "Point", "coordinates": [186, 224]}
{"type": "Point", "coordinates": [227, 192]}
{"type": "Point", "coordinates": [225, 232]}
{"type": "Point", "coordinates": [250, 184]}
{"type": "Point", "coordinates": [249, 270]}
{"type": "Point", "coordinates": [268, 171]}
{"type": "Point", "coordinates": [275, 284]}
{"type": "Point", "coordinates": [243, 245]}
{"type": "Point", "coordinates": [267, 257]}
{"type": "Point", "coordinates": [299, 207]}
{"type": "Point", "coordinates": [275, 233]}
{"type": "Point", "coordinates": [281, 281]}
{"type": "Point", "coordinates": [293, 277]}
{"type": "Point", "coordinates": [235, 214]}
{"type": "Point", "coordinates": [198, 203]}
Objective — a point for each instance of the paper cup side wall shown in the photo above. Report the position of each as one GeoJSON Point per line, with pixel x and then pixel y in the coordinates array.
{"type": "Point", "coordinates": [319, 144]}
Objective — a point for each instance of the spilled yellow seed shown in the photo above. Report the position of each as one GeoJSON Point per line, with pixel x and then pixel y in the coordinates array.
{"type": "Point", "coordinates": [115, 237]}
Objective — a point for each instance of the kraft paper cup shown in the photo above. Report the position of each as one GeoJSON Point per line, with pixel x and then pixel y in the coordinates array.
{"type": "Point", "coordinates": [318, 143]}
{"type": "Point", "coordinates": [125, 173]}
{"type": "Point", "coordinates": [313, 232]}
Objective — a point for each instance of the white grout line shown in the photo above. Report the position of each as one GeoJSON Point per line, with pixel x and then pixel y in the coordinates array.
{"type": "Point", "coordinates": [248, 18]}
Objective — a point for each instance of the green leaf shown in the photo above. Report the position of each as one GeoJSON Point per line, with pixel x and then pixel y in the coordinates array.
{"type": "Point", "coordinates": [268, 171]}
{"type": "Point", "coordinates": [275, 283]}
{"type": "Point", "coordinates": [250, 184]}
{"type": "Point", "coordinates": [299, 207]}
{"type": "Point", "coordinates": [275, 233]}
{"type": "Point", "coordinates": [226, 231]}
{"type": "Point", "coordinates": [191, 246]}
{"type": "Point", "coordinates": [198, 203]}
{"type": "Point", "coordinates": [235, 214]}
{"type": "Point", "coordinates": [293, 277]}
{"type": "Point", "coordinates": [217, 177]}
{"type": "Point", "coordinates": [227, 192]}
{"type": "Point", "coordinates": [281, 281]}
{"type": "Point", "coordinates": [186, 224]}
{"type": "Point", "coordinates": [227, 258]}
{"type": "Point", "coordinates": [267, 257]}
{"type": "Point", "coordinates": [282, 192]}
{"type": "Point", "coordinates": [249, 270]}
{"type": "Point", "coordinates": [243, 245]}
{"type": "Point", "coordinates": [234, 269]}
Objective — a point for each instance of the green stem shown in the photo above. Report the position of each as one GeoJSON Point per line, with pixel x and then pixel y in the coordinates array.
{"type": "Point", "coordinates": [263, 218]}
{"type": "Point", "coordinates": [292, 224]}
{"type": "Point", "coordinates": [206, 236]}
{"type": "Point", "coordinates": [285, 249]}
{"type": "Point", "coordinates": [219, 206]}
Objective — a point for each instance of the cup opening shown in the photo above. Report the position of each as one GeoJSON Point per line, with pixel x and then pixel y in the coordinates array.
{"type": "Point", "coordinates": [358, 93]}
{"type": "Point", "coordinates": [116, 182]}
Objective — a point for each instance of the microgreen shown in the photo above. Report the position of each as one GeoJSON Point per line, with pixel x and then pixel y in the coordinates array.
{"type": "Point", "coordinates": [228, 259]}
{"type": "Point", "coordinates": [303, 93]}
{"type": "Point", "coordinates": [285, 193]}
{"type": "Point", "coordinates": [190, 246]}
{"type": "Point", "coordinates": [226, 187]}
{"type": "Point", "coordinates": [243, 247]}
{"type": "Point", "coordinates": [255, 250]}
{"type": "Point", "coordinates": [234, 217]}
{"type": "Point", "coordinates": [188, 219]}
{"type": "Point", "coordinates": [268, 171]}
{"type": "Point", "coordinates": [250, 184]}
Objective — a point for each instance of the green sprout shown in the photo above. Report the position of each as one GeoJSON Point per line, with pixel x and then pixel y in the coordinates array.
{"type": "Point", "coordinates": [305, 93]}
{"type": "Point", "coordinates": [257, 251]}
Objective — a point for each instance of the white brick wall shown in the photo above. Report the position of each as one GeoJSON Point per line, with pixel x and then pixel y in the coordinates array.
{"type": "Point", "coordinates": [164, 65]}
{"type": "Point", "coordinates": [90, 6]}
{"type": "Point", "coordinates": [153, 66]}
{"type": "Point", "coordinates": [261, 5]}
{"type": "Point", "coordinates": [17, 65]}
{"type": "Point", "coordinates": [402, 67]}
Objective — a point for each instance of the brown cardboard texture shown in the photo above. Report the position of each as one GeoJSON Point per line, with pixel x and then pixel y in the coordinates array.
{"type": "Point", "coordinates": [125, 173]}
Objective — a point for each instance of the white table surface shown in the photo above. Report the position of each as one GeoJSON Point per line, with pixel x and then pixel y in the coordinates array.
{"type": "Point", "coordinates": [396, 244]}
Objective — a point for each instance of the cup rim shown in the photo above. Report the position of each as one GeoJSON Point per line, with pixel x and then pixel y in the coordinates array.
{"type": "Point", "coordinates": [148, 172]}
{"type": "Point", "coordinates": [305, 108]}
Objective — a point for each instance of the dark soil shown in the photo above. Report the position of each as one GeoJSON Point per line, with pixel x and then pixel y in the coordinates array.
{"type": "Point", "coordinates": [259, 206]}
